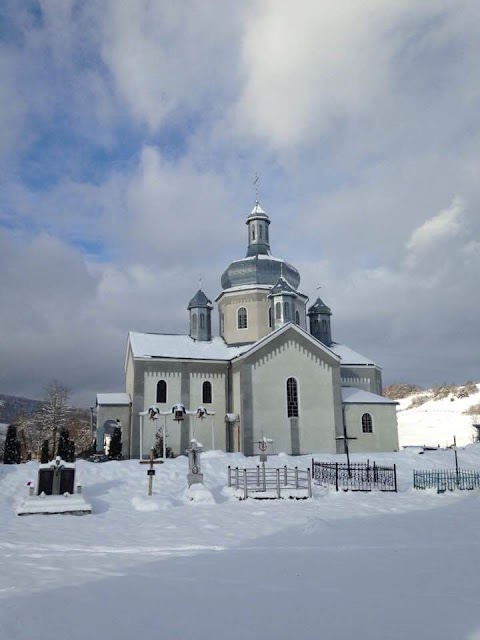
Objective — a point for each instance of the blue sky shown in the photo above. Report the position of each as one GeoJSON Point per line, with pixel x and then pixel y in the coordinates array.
{"type": "Point", "coordinates": [131, 135]}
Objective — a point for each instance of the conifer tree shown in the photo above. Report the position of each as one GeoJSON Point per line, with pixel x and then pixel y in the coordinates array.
{"type": "Point", "coordinates": [115, 451]}
{"type": "Point", "coordinates": [45, 454]}
{"type": "Point", "coordinates": [12, 446]}
{"type": "Point", "coordinates": [63, 444]}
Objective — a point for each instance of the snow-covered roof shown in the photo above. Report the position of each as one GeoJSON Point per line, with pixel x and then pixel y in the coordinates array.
{"type": "Point", "coordinates": [352, 395]}
{"type": "Point", "coordinates": [113, 398]}
{"type": "Point", "coordinates": [163, 345]}
{"type": "Point", "coordinates": [349, 356]}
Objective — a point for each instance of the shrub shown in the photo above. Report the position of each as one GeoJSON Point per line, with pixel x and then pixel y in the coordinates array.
{"type": "Point", "coordinates": [399, 391]}
{"type": "Point", "coordinates": [45, 453]}
{"type": "Point", "coordinates": [115, 450]}
{"type": "Point", "coordinates": [11, 453]}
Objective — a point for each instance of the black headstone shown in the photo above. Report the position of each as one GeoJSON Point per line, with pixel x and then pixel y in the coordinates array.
{"type": "Point", "coordinates": [45, 481]}
{"type": "Point", "coordinates": [67, 481]}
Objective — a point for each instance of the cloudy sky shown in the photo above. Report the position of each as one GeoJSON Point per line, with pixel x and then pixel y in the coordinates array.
{"type": "Point", "coordinates": [131, 132]}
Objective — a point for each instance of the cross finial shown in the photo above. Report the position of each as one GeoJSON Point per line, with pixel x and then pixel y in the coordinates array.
{"type": "Point", "coordinates": [255, 184]}
{"type": "Point", "coordinates": [200, 282]}
{"type": "Point", "coordinates": [319, 286]}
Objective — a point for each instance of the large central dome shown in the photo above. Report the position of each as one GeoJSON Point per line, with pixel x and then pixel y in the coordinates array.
{"type": "Point", "coordinates": [260, 269]}
{"type": "Point", "coordinates": [259, 266]}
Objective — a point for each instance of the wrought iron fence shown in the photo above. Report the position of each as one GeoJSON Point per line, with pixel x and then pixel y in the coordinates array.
{"type": "Point", "coordinates": [267, 482]}
{"type": "Point", "coordinates": [359, 476]}
{"type": "Point", "coordinates": [446, 479]}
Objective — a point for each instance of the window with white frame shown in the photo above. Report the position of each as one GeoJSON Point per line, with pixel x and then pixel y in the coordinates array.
{"type": "Point", "coordinates": [367, 423]}
{"type": "Point", "coordinates": [297, 317]}
{"type": "Point", "coordinates": [242, 322]}
{"type": "Point", "coordinates": [202, 320]}
{"type": "Point", "coordinates": [278, 310]}
{"type": "Point", "coordinates": [194, 322]}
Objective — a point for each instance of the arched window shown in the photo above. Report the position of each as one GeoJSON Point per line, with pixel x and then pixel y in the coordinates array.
{"type": "Point", "coordinates": [242, 318]}
{"type": "Point", "coordinates": [266, 233]}
{"type": "Point", "coordinates": [269, 316]}
{"type": "Point", "coordinates": [278, 310]}
{"type": "Point", "coordinates": [315, 323]}
{"type": "Point", "coordinates": [292, 398]}
{"type": "Point", "coordinates": [202, 321]}
{"type": "Point", "coordinates": [324, 326]}
{"type": "Point", "coordinates": [222, 323]}
{"type": "Point", "coordinates": [207, 392]}
{"type": "Point", "coordinates": [260, 231]}
{"type": "Point", "coordinates": [286, 311]}
{"type": "Point", "coordinates": [161, 391]}
{"type": "Point", "coordinates": [194, 321]}
{"type": "Point", "coordinates": [297, 317]}
{"type": "Point", "coordinates": [367, 423]}
{"type": "Point", "coordinates": [253, 232]}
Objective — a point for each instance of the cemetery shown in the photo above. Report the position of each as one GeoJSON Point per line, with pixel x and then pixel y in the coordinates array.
{"type": "Point", "coordinates": [55, 492]}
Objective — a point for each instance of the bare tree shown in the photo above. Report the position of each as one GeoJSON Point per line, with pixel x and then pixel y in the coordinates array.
{"type": "Point", "coordinates": [54, 413]}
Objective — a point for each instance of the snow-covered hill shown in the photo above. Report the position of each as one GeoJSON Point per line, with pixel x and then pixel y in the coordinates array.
{"type": "Point", "coordinates": [435, 422]}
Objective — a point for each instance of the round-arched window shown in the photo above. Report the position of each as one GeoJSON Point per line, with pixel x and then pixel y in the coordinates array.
{"type": "Point", "coordinates": [242, 322]}
{"type": "Point", "coordinates": [367, 423]}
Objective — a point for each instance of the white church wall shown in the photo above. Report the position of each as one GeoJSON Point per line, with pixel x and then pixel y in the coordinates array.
{"type": "Point", "coordinates": [203, 428]}
{"type": "Point", "coordinates": [173, 380]}
{"type": "Point", "coordinates": [316, 421]}
{"type": "Point", "coordinates": [384, 436]}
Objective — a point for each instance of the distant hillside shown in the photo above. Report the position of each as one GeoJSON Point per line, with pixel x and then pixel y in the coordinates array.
{"type": "Point", "coordinates": [433, 416]}
{"type": "Point", "coordinates": [13, 406]}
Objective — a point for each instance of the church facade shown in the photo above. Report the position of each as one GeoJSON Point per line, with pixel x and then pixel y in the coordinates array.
{"type": "Point", "coordinates": [273, 372]}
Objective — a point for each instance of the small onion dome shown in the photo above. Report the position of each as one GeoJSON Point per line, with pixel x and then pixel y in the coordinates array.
{"type": "Point", "coordinates": [258, 213]}
{"type": "Point", "coordinates": [200, 300]}
{"type": "Point", "coordinates": [319, 307]}
{"type": "Point", "coordinates": [282, 287]}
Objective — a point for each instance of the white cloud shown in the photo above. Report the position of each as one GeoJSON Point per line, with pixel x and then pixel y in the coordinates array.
{"type": "Point", "coordinates": [437, 232]}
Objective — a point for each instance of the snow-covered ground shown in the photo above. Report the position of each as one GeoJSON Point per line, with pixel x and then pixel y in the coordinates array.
{"type": "Point", "coordinates": [437, 421]}
{"type": "Point", "coordinates": [340, 565]}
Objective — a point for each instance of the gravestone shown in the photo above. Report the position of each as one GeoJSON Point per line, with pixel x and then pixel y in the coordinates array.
{"type": "Point", "coordinates": [195, 475]}
{"type": "Point", "coordinates": [56, 478]}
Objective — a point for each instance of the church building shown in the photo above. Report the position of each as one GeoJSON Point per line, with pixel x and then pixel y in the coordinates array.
{"type": "Point", "coordinates": [273, 372]}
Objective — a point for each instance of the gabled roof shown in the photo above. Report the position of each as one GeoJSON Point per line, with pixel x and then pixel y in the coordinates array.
{"type": "Point", "coordinates": [118, 399]}
{"type": "Point", "coordinates": [290, 326]}
{"type": "Point", "coordinates": [164, 345]}
{"type": "Point", "coordinates": [352, 395]}
{"type": "Point", "coordinates": [350, 357]}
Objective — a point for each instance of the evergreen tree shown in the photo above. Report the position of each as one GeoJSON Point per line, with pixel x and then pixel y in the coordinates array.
{"type": "Point", "coordinates": [63, 444]}
{"type": "Point", "coordinates": [12, 446]}
{"type": "Point", "coordinates": [70, 451]}
{"type": "Point", "coordinates": [158, 448]}
{"type": "Point", "coordinates": [115, 451]}
{"type": "Point", "coordinates": [45, 454]}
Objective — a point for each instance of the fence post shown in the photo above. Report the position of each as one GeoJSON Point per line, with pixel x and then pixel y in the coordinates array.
{"type": "Point", "coordinates": [236, 477]}
{"type": "Point", "coordinates": [285, 478]}
{"type": "Point", "coordinates": [258, 475]}
{"type": "Point", "coordinates": [395, 476]}
{"type": "Point", "coordinates": [336, 476]}
{"type": "Point", "coordinates": [229, 476]}
{"type": "Point", "coordinates": [264, 477]}
{"type": "Point", "coordinates": [278, 482]}
{"type": "Point", "coordinates": [245, 485]}
{"type": "Point", "coordinates": [296, 477]}
{"type": "Point", "coordinates": [309, 483]}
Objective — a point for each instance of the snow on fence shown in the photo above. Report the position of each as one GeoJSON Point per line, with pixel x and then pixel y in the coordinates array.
{"type": "Point", "coordinates": [266, 482]}
{"type": "Point", "coordinates": [446, 479]}
{"type": "Point", "coordinates": [361, 476]}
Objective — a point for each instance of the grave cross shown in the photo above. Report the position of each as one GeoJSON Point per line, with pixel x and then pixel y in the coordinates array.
{"type": "Point", "coordinates": [345, 439]}
{"type": "Point", "coordinates": [150, 473]}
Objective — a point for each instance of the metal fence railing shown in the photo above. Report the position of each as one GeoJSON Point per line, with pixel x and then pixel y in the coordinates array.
{"type": "Point", "coordinates": [262, 481]}
{"type": "Point", "coordinates": [446, 479]}
{"type": "Point", "coordinates": [359, 476]}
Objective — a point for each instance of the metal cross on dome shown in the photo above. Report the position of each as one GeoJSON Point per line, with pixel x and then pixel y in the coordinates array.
{"type": "Point", "coordinates": [255, 184]}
